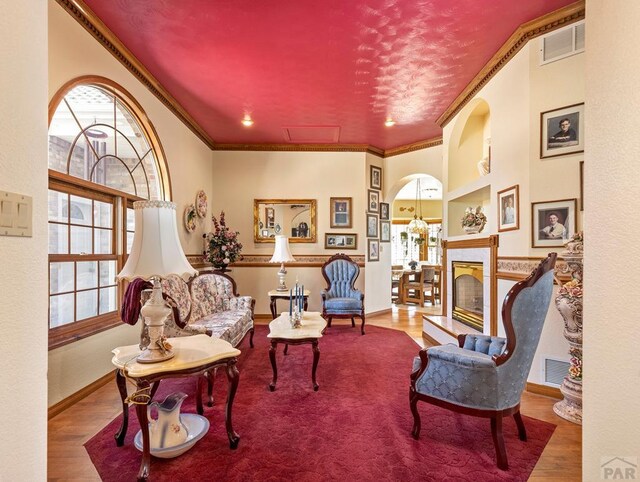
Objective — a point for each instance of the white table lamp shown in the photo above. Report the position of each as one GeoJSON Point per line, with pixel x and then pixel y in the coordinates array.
{"type": "Point", "coordinates": [156, 253]}
{"type": "Point", "coordinates": [282, 254]}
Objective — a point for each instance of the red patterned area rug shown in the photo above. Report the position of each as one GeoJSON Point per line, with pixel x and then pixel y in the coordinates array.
{"type": "Point", "coordinates": [356, 427]}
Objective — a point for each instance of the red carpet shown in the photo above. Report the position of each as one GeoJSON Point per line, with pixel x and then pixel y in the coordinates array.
{"type": "Point", "coordinates": [356, 427]}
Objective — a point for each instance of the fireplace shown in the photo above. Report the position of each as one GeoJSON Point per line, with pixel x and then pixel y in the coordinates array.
{"type": "Point", "coordinates": [468, 299]}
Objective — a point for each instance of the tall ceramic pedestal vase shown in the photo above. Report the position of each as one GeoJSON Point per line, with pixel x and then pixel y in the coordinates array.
{"type": "Point", "coordinates": [569, 304]}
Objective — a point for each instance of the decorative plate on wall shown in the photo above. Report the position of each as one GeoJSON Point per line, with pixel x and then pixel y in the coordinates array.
{"type": "Point", "coordinates": [201, 203]}
{"type": "Point", "coordinates": [190, 216]}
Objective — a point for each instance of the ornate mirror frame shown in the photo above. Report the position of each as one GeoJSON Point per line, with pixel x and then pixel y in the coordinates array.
{"type": "Point", "coordinates": [259, 204]}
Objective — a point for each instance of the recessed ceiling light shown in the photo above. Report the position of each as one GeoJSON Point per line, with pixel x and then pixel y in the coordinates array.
{"type": "Point", "coordinates": [389, 122]}
{"type": "Point", "coordinates": [247, 122]}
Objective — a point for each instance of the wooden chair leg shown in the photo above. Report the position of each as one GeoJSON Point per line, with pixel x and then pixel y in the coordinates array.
{"type": "Point", "coordinates": [362, 327]}
{"type": "Point", "coordinates": [413, 403]}
{"type": "Point", "coordinates": [522, 432]}
{"type": "Point", "coordinates": [329, 321]}
{"type": "Point", "coordinates": [251, 337]}
{"type": "Point", "coordinates": [498, 442]}
{"type": "Point", "coordinates": [353, 322]}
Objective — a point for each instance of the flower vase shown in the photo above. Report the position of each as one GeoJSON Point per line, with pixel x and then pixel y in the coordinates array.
{"type": "Point", "coordinates": [222, 268]}
{"type": "Point", "coordinates": [473, 229]}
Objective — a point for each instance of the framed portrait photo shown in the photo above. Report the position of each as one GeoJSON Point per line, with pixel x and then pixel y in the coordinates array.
{"type": "Point", "coordinates": [562, 131]}
{"type": "Point", "coordinates": [372, 226]}
{"type": "Point", "coordinates": [340, 241]}
{"type": "Point", "coordinates": [553, 222]}
{"type": "Point", "coordinates": [374, 250]}
{"type": "Point", "coordinates": [375, 178]}
{"type": "Point", "coordinates": [385, 231]}
{"type": "Point", "coordinates": [340, 208]}
{"type": "Point", "coordinates": [373, 206]}
{"type": "Point", "coordinates": [384, 211]}
{"type": "Point", "coordinates": [581, 185]}
{"type": "Point", "coordinates": [509, 209]}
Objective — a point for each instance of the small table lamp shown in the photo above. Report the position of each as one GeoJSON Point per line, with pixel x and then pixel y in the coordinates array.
{"type": "Point", "coordinates": [281, 254]}
{"type": "Point", "coordinates": [156, 253]}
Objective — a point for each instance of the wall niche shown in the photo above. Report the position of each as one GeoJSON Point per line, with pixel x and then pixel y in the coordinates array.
{"type": "Point", "coordinates": [470, 146]}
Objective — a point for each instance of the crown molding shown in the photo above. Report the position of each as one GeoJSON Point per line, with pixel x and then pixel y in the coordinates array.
{"type": "Point", "coordinates": [302, 148]}
{"type": "Point", "coordinates": [525, 32]}
{"type": "Point", "coordinates": [92, 24]}
{"type": "Point", "coordinates": [416, 146]}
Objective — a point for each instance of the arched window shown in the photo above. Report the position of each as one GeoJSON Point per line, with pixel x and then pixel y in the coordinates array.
{"type": "Point", "coordinates": [103, 156]}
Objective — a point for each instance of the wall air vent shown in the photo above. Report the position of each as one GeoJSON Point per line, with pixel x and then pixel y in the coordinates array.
{"type": "Point", "coordinates": [554, 371]}
{"type": "Point", "coordinates": [562, 43]}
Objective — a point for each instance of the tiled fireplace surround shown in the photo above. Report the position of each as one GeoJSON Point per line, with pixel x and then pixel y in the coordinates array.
{"type": "Point", "coordinates": [444, 329]}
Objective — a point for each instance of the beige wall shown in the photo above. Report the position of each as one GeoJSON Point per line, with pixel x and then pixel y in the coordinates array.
{"type": "Point", "coordinates": [23, 261]}
{"type": "Point", "coordinates": [73, 53]}
{"type": "Point", "coordinates": [430, 209]}
{"type": "Point", "coordinates": [612, 189]}
{"type": "Point", "coordinates": [516, 96]}
{"type": "Point", "coordinates": [241, 177]}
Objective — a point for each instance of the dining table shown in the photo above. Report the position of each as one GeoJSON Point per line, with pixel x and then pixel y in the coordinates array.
{"type": "Point", "coordinates": [407, 275]}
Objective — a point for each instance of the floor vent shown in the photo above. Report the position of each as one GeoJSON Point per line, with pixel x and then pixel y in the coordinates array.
{"type": "Point", "coordinates": [555, 371]}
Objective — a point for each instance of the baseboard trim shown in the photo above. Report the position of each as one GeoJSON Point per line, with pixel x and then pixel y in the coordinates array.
{"type": "Point", "coordinates": [379, 312]}
{"type": "Point", "coordinates": [262, 317]}
{"type": "Point", "coordinates": [429, 339]}
{"type": "Point", "coordinates": [62, 405]}
{"type": "Point", "coordinates": [545, 390]}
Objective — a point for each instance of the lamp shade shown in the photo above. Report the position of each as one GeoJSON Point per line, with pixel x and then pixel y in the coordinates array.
{"type": "Point", "coordinates": [281, 253]}
{"type": "Point", "coordinates": [156, 249]}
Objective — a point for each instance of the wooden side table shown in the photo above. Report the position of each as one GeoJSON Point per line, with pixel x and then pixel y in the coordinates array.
{"type": "Point", "coordinates": [275, 295]}
{"type": "Point", "coordinates": [194, 355]}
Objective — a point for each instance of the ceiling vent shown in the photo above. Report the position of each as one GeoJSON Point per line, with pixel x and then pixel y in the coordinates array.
{"type": "Point", "coordinates": [311, 134]}
{"type": "Point", "coordinates": [562, 43]}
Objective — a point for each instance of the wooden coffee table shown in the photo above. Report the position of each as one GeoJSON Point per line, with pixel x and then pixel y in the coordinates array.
{"type": "Point", "coordinates": [310, 332]}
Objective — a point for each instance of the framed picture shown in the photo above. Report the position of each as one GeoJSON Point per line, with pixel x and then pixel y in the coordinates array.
{"type": "Point", "coordinates": [340, 208]}
{"type": "Point", "coordinates": [340, 241]}
{"type": "Point", "coordinates": [372, 226]}
{"type": "Point", "coordinates": [374, 201]}
{"type": "Point", "coordinates": [581, 185]}
{"type": "Point", "coordinates": [509, 209]}
{"type": "Point", "coordinates": [376, 178]}
{"type": "Point", "coordinates": [553, 222]}
{"type": "Point", "coordinates": [384, 211]}
{"type": "Point", "coordinates": [374, 250]}
{"type": "Point", "coordinates": [562, 131]}
{"type": "Point", "coordinates": [385, 231]}
{"type": "Point", "coordinates": [270, 217]}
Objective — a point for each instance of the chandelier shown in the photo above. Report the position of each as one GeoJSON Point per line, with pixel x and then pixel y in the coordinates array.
{"type": "Point", "coordinates": [418, 225]}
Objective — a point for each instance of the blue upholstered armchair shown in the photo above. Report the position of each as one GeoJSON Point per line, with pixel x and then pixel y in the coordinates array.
{"type": "Point", "coordinates": [340, 299]}
{"type": "Point", "coordinates": [485, 375]}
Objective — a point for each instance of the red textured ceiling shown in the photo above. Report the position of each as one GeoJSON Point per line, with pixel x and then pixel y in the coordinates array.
{"type": "Point", "coordinates": [326, 63]}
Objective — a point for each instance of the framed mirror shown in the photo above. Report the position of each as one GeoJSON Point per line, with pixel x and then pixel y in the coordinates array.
{"type": "Point", "coordinates": [294, 218]}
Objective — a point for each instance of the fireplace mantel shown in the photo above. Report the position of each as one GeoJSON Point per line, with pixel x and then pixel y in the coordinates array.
{"type": "Point", "coordinates": [480, 248]}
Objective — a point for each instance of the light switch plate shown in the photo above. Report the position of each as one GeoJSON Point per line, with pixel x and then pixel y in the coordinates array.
{"type": "Point", "coordinates": [16, 214]}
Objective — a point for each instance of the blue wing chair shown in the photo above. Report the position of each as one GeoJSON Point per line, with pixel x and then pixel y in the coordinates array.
{"type": "Point", "coordinates": [485, 375]}
{"type": "Point", "coordinates": [340, 299]}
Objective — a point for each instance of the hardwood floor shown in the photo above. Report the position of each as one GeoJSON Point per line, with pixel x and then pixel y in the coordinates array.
{"type": "Point", "coordinates": [68, 431]}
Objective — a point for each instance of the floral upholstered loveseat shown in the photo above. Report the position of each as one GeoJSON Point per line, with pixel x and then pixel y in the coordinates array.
{"type": "Point", "coordinates": [208, 304]}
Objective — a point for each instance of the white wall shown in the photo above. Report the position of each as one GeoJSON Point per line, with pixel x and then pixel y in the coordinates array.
{"type": "Point", "coordinates": [378, 273]}
{"type": "Point", "coordinates": [241, 177]}
{"type": "Point", "coordinates": [23, 261]}
{"type": "Point", "coordinates": [612, 189]}
{"type": "Point", "coordinates": [74, 53]}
